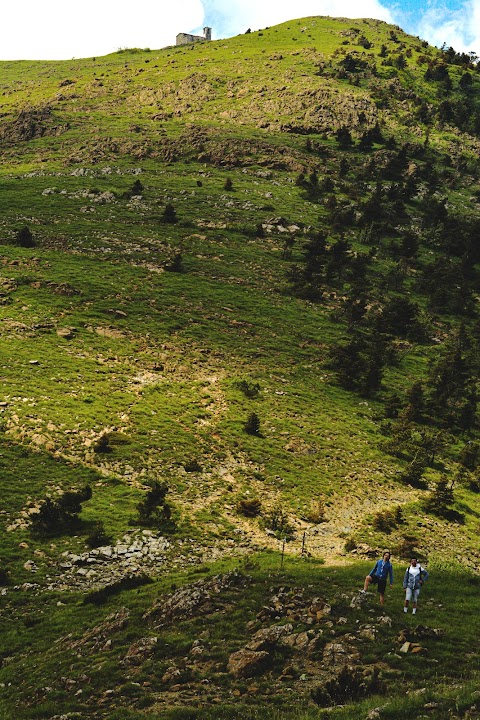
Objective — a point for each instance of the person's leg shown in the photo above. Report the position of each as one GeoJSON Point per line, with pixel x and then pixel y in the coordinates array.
{"type": "Point", "coordinates": [368, 580]}
{"type": "Point", "coordinates": [414, 604]}
{"type": "Point", "coordinates": [408, 597]}
{"type": "Point", "coordinates": [382, 584]}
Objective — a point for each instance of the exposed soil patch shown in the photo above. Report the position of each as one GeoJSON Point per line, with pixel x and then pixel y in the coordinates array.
{"type": "Point", "coordinates": [31, 124]}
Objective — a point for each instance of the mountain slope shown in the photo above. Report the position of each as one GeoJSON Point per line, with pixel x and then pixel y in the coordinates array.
{"type": "Point", "coordinates": [239, 302]}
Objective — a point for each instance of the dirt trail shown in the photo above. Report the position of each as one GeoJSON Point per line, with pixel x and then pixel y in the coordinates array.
{"type": "Point", "coordinates": [327, 540]}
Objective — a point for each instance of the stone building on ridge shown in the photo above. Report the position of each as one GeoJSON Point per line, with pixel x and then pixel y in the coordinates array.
{"type": "Point", "coordinates": [185, 38]}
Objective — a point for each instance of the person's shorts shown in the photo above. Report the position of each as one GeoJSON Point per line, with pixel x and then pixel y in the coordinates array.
{"type": "Point", "coordinates": [412, 594]}
{"type": "Point", "coordinates": [381, 583]}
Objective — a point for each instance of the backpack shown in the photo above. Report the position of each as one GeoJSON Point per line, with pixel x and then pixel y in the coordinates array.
{"type": "Point", "coordinates": [422, 572]}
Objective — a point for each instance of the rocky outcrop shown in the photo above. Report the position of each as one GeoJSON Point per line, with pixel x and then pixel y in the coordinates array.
{"type": "Point", "coordinates": [140, 651]}
{"type": "Point", "coordinates": [99, 638]}
{"type": "Point", "coordinates": [30, 124]}
{"type": "Point", "coordinates": [267, 638]}
{"type": "Point", "coordinates": [192, 600]}
{"type": "Point", "coordinates": [132, 555]}
{"type": "Point", "coordinates": [247, 663]}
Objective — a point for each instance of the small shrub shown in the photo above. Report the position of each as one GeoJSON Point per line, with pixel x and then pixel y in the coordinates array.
{"type": "Point", "coordinates": [192, 466]}
{"type": "Point", "coordinates": [57, 517]}
{"type": "Point", "coordinates": [364, 42]}
{"type": "Point", "coordinates": [413, 473]}
{"type": "Point", "coordinates": [440, 499]}
{"type": "Point", "coordinates": [249, 507]}
{"type": "Point", "coordinates": [316, 514]}
{"type": "Point", "coordinates": [154, 511]}
{"type": "Point", "coordinates": [474, 485]}
{"type": "Point", "coordinates": [97, 536]}
{"type": "Point", "coordinates": [407, 547]}
{"type": "Point", "coordinates": [169, 214]}
{"type": "Point", "coordinates": [228, 185]}
{"type": "Point", "coordinates": [4, 577]}
{"type": "Point", "coordinates": [386, 520]}
{"type": "Point", "coordinates": [300, 180]}
{"type": "Point", "coordinates": [24, 237]}
{"type": "Point", "coordinates": [135, 189]}
{"type": "Point", "coordinates": [252, 425]}
{"type": "Point", "coordinates": [344, 138]}
{"type": "Point", "coordinates": [392, 406]}
{"type": "Point", "coordinates": [175, 264]}
{"type": "Point", "coordinates": [469, 455]}
{"type": "Point", "coordinates": [248, 388]}
{"type": "Point", "coordinates": [103, 444]}
{"type": "Point", "coordinates": [278, 522]}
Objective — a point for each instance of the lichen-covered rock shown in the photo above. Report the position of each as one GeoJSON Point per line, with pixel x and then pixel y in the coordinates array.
{"type": "Point", "coordinates": [247, 663]}
{"type": "Point", "coordinates": [140, 651]}
{"type": "Point", "coordinates": [193, 599]}
{"type": "Point", "coordinates": [267, 638]}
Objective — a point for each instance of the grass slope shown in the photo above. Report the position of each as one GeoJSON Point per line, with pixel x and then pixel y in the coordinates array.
{"type": "Point", "coordinates": [73, 655]}
{"type": "Point", "coordinates": [101, 339]}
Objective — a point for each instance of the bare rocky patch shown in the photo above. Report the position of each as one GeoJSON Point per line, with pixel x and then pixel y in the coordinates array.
{"type": "Point", "coordinates": [30, 124]}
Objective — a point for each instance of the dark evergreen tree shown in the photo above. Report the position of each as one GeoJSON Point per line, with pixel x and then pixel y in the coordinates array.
{"type": "Point", "coordinates": [169, 214]}
{"type": "Point", "coordinates": [24, 237]}
{"type": "Point", "coordinates": [344, 138]}
{"type": "Point", "coordinates": [452, 396]}
{"type": "Point", "coordinates": [252, 425]}
{"type": "Point", "coordinates": [60, 516]}
{"type": "Point", "coordinates": [466, 82]}
{"type": "Point", "coordinates": [470, 455]}
{"type": "Point", "coordinates": [441, 498]}
{"type": "Point", "coordinates": [400, 317]}
{"type": "Point", "coordinates": [154, 510]}
{"type": "Point", "coordinates": [415, 397]}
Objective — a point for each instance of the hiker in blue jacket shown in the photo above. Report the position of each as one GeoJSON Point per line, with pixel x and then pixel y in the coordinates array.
{"type": "Point", "coordinates": [379, 574]}
{"type": "Point", "coordinates": [415, 576]}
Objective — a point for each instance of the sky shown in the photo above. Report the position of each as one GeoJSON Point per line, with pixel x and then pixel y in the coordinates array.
{"type": "Point", "coordinates": [58, 29]}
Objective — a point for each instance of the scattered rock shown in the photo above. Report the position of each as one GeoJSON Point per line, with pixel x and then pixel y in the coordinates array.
{"type": "Point", "coordinates": [359, 601]}
{"type": "Point", "coordinates": [99, 638]}
{"type": "Point", "coordinates": [384, 620]}
{"type": "Point", "coordinates": [66, 333]}
{"type": "Point", "coordinates": [194, 599]}
{"type": "Point", "coordinates": [172, 675]}
{"type": "Point", "coordinates": [369, 632]}
{"type": "Point", "coordinates": [31, 123]}
{"type": "Point", "coordinates": [375, 714]}
{"type": "Point", "coordinates": [140, 651]}
{"type": "Point", "coordinates": [268, 638]}
{"type": "Point", "coordinates": [247, 663]}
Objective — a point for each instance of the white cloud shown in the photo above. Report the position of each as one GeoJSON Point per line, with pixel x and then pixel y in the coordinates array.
{"type": "Point", "coordinates": [458, 28]}
{"type": "Point", "coordinates": [231, 17]}
{"type": "Point", "coordinates": [58, 29]}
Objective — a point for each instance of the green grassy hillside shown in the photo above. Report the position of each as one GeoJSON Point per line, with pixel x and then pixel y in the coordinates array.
{"type": "Point", "coordinates": [239, 304]}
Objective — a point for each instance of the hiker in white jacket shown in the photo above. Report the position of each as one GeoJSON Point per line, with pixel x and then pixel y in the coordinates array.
{"type": "Point", "coordinates": [415, 576]}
